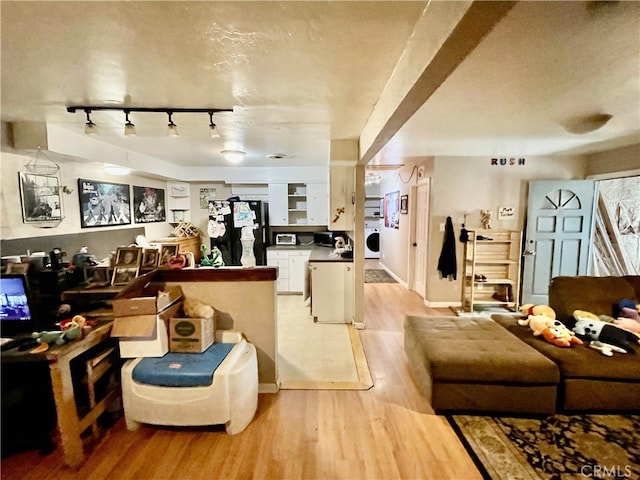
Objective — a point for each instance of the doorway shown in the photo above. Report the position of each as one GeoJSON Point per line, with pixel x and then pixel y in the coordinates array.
{"type": "Point", "coordinates": [418, 237]}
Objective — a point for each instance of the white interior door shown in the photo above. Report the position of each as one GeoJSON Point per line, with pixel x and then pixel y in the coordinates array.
{"type": "Point", "coordinates": [421, 232]}
{"type": "Point", "coordinates": [558, 235]}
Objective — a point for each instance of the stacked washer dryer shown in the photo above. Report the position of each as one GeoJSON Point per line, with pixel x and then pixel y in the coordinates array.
{"type": "Point", "coordinates": [372, 215]}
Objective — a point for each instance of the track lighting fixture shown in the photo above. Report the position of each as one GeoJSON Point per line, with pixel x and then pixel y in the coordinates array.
{"type": "Point", "coordinates": [129, 128]}
{"type": "Point", "coordinates": [172, 128]}
{"type": "Point", "coordinates": [213, 129]}
{"type": "Point", "coordinates": [89, 127]}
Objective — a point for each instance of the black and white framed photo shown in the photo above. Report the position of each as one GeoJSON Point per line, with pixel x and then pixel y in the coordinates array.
{"type": "Point", "coordinates": [40, 197]}
{"type": "Point", "coordinates": [148, 205]}
{"type": "Point", "coordinates": [128, 256]}
{"type": "Point", "coordinates": [404, 204]}
{"type": "Point", "coordinates": [103, 204]}
{"type": "Point", "coordinates": [150, 257]}
{"type": "Point", "coordinates": [123, 275]}
{"type": "Point", "coordinates": [166, 252]}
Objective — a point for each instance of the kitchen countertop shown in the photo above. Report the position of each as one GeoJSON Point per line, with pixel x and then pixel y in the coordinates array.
{"type": "Point", "coordinates": [318, 253]}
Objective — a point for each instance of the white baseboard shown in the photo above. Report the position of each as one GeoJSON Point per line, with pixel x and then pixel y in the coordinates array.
{"type": "Point", "coordinates": [359, 325]}
{"type": "Point", "coordinates": [441, 304]}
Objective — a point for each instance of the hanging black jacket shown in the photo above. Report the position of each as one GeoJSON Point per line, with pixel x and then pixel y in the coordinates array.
{"type": "Point", "coordinates": [447, 264]}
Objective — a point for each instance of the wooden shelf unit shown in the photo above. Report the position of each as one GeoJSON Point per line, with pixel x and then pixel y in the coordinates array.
{"type": "Point", "coordinates": [491, 269]}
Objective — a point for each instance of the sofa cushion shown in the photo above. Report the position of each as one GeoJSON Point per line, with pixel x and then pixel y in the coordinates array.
{"type": "Point", "coordinates": [597, 295]}
{"type": "Point", "coordinates": [475, 349]}
{"type": "Point", "coordinates": [578, 361]}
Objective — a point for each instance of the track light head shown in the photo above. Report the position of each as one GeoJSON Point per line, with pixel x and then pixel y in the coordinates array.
{"type": "Point", "coordinates": [172, 128]}
{"type": "Point", "coordinates": [90, 128]}
{"type": "Point", "coordinates": [213, 129]}
{"type": "Point", "coordinates": [129, 128]}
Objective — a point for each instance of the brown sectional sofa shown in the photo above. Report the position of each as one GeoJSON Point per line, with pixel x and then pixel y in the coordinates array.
{"type": "Point", "coordinates": [455, 360]}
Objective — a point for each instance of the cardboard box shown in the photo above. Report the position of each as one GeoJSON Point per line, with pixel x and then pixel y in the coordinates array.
{"type": "Point", "coordinates": [190, 335]}
{"type": "Point", "coordinates": [143, 298]}
{"type": "Point", "coordinates": [141, 315]}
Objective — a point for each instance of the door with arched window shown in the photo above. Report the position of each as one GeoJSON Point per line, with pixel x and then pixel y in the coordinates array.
{"type": "Point", "coordinates": [558, 234]}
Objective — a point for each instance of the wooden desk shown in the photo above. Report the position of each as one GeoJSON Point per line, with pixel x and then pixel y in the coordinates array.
{"type": "Point", "coordinates": [70, 425]}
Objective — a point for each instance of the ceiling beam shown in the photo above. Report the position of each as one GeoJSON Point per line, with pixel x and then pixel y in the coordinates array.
{"type": "Point", "coordinates": [444, 36]}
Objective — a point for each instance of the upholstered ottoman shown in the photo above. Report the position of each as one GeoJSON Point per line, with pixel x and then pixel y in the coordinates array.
{"type": "Point", "coordinates": [475, 365]}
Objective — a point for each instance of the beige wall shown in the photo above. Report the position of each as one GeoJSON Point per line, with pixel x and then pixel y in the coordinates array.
{"type": "Point", "coordinates": [394, 243]}
{"type": "Point", "coordinates": [618, 160]}
{"type": "Point", "coordinates": [468, 184]}
{"type": "Point", "coordinates": [249, 307]}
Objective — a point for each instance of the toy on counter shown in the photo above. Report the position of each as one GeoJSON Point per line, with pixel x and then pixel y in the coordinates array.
{"type": "Point", "coordinates": [214, 259]}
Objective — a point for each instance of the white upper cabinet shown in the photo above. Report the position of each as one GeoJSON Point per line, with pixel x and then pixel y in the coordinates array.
{"type": "Point", "coordinates": [298, 204]}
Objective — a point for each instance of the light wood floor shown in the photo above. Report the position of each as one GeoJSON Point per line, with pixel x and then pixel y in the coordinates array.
{"type": "Point", "coordinates": [387, 432]}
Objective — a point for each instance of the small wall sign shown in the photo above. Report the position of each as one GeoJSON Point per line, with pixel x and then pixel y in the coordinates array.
{"type": "Point", "coordinates": [505, 213]}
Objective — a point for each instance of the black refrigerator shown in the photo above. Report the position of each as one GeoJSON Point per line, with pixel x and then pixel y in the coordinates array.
{"type": "Point", "coordinates": [226, 219]}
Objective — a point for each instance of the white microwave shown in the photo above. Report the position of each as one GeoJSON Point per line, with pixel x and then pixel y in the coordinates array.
{"type": "Point", "coordinates": [285, 238]}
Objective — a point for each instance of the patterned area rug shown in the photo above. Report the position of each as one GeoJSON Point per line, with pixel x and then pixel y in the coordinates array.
{"type": "Point", "coordinates": [378, 276]}
{"type": "Point", "coordinates": [558, 447]}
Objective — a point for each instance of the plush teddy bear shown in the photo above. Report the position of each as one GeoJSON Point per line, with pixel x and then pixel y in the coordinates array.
{"type": "Point", "coordinates": [537, 323]}
{"type": "Point", "coordinates": [531, 309]}
{"type": "Point", "coordinates": [196, 309]}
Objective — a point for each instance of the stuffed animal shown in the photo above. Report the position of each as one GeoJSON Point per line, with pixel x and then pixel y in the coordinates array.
{"type": "Point", "coordinates": [606, 333]}
{"type": "Point", "coordinates": [537, 323]}
{"type": "Point", "coordinates": [560, 336]}
{"type": "Point", "coordinates": [606, 349]}
{"type": "Point", "coordinates": [553, 331]}
{"type": "Point", "coordinates": [531, 309]}
{"type": "Point", "coordinates": [70, 330]}
{"type": "Point", "coordinates": [582, 315]}
{"type": "Point", "coordinates": [196, 309]}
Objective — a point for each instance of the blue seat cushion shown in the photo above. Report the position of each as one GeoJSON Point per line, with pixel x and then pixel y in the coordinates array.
{"type": "Point", "coordinates": [182, 369]}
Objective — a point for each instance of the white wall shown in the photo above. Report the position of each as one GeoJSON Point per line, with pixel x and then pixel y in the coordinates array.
{"type": "Point", "coordinates": [11, 225]}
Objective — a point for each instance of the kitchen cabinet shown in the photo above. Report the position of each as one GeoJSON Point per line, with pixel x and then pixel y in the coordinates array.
{"type": "Point", "coordinates": [292, 269]}
{"type": "Point", "coordinates": [297, 204]}
{"type": "Point", "coordinates": [298, 270]}
{"type": "Point", "coordinates": [341, 198]}
{"type": "Point", "coordinates": [331, 292]}
{"type": "Point", "coordinates": [491, 269]}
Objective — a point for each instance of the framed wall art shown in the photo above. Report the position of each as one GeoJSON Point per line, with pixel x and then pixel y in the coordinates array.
{"type": "Point", "coordinates": [40, 198]}
{"type": "Point", "coordinates": [206, 194]}
{"type": "Point", "coordinates": [148, 205]}
{"type": "Point", "coordinates": [391, 210]}
{"type": "Point", "coordinates": [103, 204]}
{"type": "Point", "coordinates": [404, 204]}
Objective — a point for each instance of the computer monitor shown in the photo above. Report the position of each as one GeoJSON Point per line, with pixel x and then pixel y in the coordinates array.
{"type": "Point", "coordinates": [17, 310]}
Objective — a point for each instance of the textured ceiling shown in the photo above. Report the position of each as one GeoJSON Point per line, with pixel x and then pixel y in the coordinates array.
{"type": "Point", "coordinates": [299, 74]}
